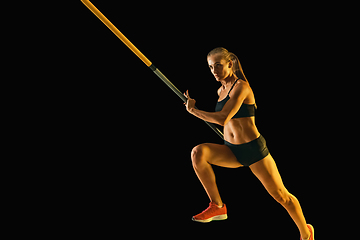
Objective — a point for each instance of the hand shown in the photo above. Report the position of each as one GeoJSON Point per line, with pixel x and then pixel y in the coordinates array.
{"type": "Point", "coordinates": [190, 104]}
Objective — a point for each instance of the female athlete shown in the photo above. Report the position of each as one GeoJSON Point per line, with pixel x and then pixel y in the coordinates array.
{"type": "Point", "coordinates": [243, 145]}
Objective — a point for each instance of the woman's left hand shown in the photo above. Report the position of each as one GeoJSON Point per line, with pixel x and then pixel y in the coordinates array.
{"type": "Point", "coordinates": [190, 104]}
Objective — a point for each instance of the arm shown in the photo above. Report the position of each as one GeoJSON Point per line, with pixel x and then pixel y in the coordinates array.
{"type": "Point", "coordinates": [237, 97]}
{"type": "Point", "coordinates": [213, 117]}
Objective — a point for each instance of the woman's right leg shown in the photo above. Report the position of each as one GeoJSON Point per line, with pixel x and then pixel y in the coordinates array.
{"type": "Point", "coordinates": [202, 157]}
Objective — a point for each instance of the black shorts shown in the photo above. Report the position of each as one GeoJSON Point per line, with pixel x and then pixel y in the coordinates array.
{"type": "Point", "coordinates": [251, 152]}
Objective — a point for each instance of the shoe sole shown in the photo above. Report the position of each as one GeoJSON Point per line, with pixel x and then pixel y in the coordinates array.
{"type": "Point", "coordinates": [215, 218]}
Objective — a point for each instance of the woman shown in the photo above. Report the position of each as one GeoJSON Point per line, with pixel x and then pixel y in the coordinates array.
{"type": "Point", "coordinates": [244, 146]}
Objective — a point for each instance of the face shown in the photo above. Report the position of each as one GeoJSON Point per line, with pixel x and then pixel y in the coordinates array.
{"type": "Point", "coordinates": [219, 67]}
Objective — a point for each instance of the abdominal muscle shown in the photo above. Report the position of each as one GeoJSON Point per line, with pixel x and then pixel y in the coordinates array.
{"type": "Point", "coordinates": [241, 130]}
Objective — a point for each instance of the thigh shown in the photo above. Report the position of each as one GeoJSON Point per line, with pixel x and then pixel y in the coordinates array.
{"type": "Point", "coordinates": [267, 172]}
{"type": "Point", "coordinates": [219, 155]}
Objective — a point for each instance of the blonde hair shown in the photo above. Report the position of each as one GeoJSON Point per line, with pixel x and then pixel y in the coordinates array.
{"type": "Point", "coordinates": [229, 56]}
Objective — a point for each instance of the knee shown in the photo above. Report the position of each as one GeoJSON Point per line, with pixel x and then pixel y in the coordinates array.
{"type": "Point", "coordinates": [282, 196]}
{"type": "Point", "coordinates": [197, 154]}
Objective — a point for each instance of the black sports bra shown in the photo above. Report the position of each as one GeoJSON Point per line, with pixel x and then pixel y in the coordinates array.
{"type": "Point", "coordinates": [246, 110]}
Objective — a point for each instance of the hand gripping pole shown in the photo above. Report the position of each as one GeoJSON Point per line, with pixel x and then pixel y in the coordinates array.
{"type": "Point", "coordinates": [131, 46]}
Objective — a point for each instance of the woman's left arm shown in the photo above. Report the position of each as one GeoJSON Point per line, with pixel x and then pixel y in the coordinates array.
{"type": "Point", "coordinates": [232, 106]}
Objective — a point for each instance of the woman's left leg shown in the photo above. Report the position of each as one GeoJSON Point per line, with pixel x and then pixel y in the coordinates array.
{"type": "Point", "coordinates": [267, 172]}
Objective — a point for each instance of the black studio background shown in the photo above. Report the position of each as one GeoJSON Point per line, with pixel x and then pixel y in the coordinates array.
{"type": "Point", "coordinates": [133, 136]}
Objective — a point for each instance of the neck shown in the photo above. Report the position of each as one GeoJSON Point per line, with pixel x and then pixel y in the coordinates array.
{"type": "Point", "coordinates": [229, 80]}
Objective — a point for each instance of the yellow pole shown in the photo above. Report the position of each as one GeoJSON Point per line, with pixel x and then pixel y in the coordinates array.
{"type": "Point", "coordinates": [121, 36]}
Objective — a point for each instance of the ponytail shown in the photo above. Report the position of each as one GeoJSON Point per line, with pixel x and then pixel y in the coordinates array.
{"type": "Point", "coordinates": [237, 69]}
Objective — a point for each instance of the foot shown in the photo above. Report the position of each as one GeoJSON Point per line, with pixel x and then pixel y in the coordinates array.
{"type": "Point", "coordinates": [213, 212]}
{"type": "Point", "coordinates": [311, 229]}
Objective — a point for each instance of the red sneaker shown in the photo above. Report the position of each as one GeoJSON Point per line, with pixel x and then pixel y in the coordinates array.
{"type": "Point", "coordinates": [213, 212]}
{"type": "Point", "coordinates": [312, 232]}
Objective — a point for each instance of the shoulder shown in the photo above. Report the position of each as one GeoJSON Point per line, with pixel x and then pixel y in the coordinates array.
{"type": "Point", "coordinates": [241, 87]}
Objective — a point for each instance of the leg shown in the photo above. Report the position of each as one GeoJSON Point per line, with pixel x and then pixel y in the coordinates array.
{"type": "Point", "coordinates": [202, 157]}
{"type": "Point", "coordinates": [267, 172]}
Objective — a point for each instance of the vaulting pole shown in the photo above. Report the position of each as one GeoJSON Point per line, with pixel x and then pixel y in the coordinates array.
{"type": "Point", "coordinates": [131, 46]}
